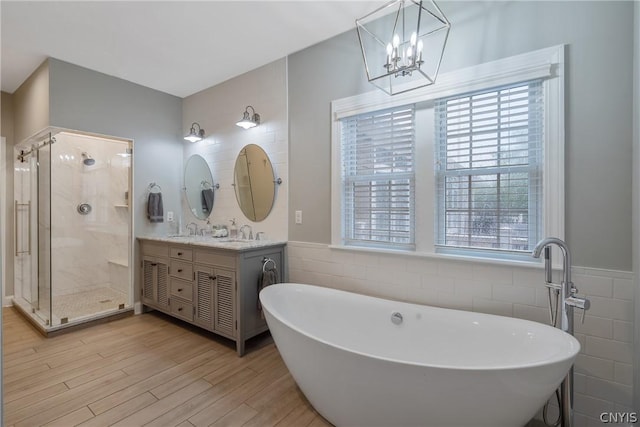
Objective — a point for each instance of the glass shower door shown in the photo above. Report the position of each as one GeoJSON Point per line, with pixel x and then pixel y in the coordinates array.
{"type": "Point", "coordinates": [32, 239]}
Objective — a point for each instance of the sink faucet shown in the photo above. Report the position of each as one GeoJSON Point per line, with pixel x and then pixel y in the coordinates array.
{"type": "Point", "coordinates": [195, 228]}
{"type": "Point", "coordinates": [244, 236]}
{"type": "Point", "coordinates": [568, 300]}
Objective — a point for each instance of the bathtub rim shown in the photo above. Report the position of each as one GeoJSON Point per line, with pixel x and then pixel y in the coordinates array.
{"type": "Point", "coordinates": [574, 341]}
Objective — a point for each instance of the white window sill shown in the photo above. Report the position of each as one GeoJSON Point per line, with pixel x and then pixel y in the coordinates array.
{"type": "Point", "coordinates": [534, 263]}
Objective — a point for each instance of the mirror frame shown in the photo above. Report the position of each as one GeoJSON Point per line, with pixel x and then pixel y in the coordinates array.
{"type": "Point", "coordinates": [195, 183]}
{"type": "Point", "coordinates": [254, 182]}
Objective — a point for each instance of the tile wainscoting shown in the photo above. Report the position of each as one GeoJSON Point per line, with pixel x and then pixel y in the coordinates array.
{"type": "Point", "coordinates": [603, 369]}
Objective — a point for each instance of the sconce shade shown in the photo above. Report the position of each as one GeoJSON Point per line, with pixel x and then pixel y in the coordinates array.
{"type": "Point", "coordinates": [194, 136]}
{"type": "Point", "coordinates": [402, 44]}
{"type": "Point", "coordinates": [248, 121]}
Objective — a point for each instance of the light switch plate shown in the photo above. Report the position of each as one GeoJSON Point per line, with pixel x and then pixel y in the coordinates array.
{"type": "Point", "coordinates": [169, 216]}
{"type": "Point", "coordinates": [298, 217]}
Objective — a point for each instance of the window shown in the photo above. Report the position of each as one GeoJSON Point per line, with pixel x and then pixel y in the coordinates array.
{"type": "Point", "coordinates": [378, 182]}
{"type": "Point", "coordinates": [472, 166]}
{"type": "Point", "coordinates": [489, 168]}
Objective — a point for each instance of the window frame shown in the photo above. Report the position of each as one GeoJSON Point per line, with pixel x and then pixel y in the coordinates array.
{"type": "Point", "coordinates": [532, 168]}
{"type": "Point", "coordinates": [350, 175]}
{"type": "Point", "coordinates": [546, 64]}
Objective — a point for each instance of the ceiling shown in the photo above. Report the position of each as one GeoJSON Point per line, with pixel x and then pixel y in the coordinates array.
{"type": "Point", "coordinates": [177, 47]}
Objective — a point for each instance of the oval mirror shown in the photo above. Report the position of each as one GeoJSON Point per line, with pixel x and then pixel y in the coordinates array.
{"type": "Point", "coordinates": [198, 184]}
{"type": "Point", "coordinates": [254, 182]}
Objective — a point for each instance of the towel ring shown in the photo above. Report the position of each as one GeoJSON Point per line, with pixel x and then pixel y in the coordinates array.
{"type": "Point", "coordinates": [152, 186]}
{"type": "Point", "coordinates": [266, 261]}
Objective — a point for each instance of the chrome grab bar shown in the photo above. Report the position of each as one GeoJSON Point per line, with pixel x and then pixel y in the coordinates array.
{"type": "Point", "coordinates": [15, 217]}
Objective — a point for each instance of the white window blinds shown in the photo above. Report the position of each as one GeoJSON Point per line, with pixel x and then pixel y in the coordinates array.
{"type": "Point", "coordinates": [489, 168]}
{"type": "Point", "coordinates": [378, 179]}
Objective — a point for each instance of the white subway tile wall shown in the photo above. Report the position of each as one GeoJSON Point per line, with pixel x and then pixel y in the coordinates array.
{"type": "Point", "coordinates": [603, 369]}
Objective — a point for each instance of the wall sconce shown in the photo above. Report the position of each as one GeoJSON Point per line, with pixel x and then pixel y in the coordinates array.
{"type": "Point", "coordinates": [193, 135]}
{"type": "Point", "coordinates": [249, 121]}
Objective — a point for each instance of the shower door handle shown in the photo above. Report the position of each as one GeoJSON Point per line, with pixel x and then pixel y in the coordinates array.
{"type": "Point", "coordinates": [15, 217]}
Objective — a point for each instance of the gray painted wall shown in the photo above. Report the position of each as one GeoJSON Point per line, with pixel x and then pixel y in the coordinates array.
{"type": "Point", "coordinates": [6, 130]}
{"type": "Point", "coordinates": [86, 100]}
{"type": "Point", "coordinates": [636, 201]}
{"type": "Point", "coordinates": [598, 111]}
{"type": "Point", "coordinates": [31, 104]}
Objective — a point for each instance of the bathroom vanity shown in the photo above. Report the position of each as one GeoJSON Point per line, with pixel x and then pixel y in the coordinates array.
{"type": "Point", "coordinates": [210, 283]}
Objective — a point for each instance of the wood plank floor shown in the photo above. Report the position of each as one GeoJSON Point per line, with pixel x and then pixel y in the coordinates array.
{"type": "Point", "coordinates": [145, 370]}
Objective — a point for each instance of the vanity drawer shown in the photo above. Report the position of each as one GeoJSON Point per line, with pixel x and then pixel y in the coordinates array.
{"type": "Point", "coordinates": [181, 288]}
{"type": "Point", "coordinates": [182, 270]}
{"type": "Point", "coordinates": [154, 249]}
{"type": "Point", "coordinates": [181, 253]}
{"type": "Point", "coordinates": [214, 258]}
{"type": "Point", "coordinates": [181, 309]}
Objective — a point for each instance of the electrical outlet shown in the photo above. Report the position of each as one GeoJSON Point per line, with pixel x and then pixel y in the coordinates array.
{"type": "Point", "coordinates": [170, 216]}
{"type": "Point", "coordinates": [298, 217]}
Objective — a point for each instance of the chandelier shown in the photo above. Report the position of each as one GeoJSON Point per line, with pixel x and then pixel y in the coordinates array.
{"type": "Point", "coordinates": [402, 44]}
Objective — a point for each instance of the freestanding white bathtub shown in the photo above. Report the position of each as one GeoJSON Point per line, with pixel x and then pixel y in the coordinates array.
{"type": "Point", "coordinates": [436, 368]}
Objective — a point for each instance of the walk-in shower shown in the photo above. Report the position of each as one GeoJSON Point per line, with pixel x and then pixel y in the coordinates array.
{"type": "Point", "coordinates": [72, 228]}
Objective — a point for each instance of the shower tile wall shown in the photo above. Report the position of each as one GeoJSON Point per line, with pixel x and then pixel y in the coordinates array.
{"type": "Point", "coordinates": [603, 369]}
{"type": "Point", "coordinates": [86, 247]}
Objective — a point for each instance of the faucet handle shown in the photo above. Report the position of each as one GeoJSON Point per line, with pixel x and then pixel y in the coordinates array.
{"type": "Point", "coordinates": [582, 303]}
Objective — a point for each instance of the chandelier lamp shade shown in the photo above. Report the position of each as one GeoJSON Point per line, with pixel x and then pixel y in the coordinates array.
{"type": "Point", "coordinates": [249, 120]}
{"type": "Point", "coordinates": [194, 136]}
{"type": "Point", "coordinates": [403, 44]}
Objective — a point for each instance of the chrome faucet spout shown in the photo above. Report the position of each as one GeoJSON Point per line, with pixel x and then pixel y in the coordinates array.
{"type": "Point", "coordinates": [566, 261]}
{"type": "Point", "coordinates": [244, 235]}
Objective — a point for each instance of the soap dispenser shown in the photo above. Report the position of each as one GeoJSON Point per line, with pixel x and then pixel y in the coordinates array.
{"type": "Point", "coordinates": [233, 230]}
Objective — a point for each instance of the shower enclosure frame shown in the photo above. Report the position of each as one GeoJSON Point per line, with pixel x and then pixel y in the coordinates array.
{"type": "Point", "coordinates": [32, 146]}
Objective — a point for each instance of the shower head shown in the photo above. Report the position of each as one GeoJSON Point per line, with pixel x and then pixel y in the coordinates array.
{"type": "Point", "coordinates": [88, 160]}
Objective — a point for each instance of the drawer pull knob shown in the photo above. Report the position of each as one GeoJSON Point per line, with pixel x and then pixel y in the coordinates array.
{"type": "Point", "coordinates": [179, 308]}
{"type": "Point", "coordinates": [179, 270]}
{"type": "Point", "coordinates": [213, 277]}
{"type": "Point", "coordinates": [179, 253]}
{"type": "Point", "coordinates": [179, 289]}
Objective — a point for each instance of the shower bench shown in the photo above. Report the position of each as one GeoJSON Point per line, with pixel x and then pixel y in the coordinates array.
{"type": "Point", "coordinates": [209, 283]}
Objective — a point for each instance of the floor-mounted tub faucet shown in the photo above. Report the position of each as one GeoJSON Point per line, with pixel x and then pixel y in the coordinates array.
{"type": "Point", "coordinates": [567, 290]}
{"type": "Point", "coordinates": [567, 300]}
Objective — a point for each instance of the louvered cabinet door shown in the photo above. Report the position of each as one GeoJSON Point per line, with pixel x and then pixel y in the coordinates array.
{"type": "Point", "coordinates": [225, 302]}
{"type": "Point", "coordinates": [203, 297]}
{"type": "Point", "coordinates": [163, 285]}
{"type": "Point", "coordinates": [155, 282]}
{"type": "Point", "coordinates": [149, 274]}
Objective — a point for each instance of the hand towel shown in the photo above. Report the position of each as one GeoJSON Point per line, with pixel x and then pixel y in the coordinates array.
{"type": "Point", "coordinates": [155, 211]}
{"type": "Point", "coordinates": [207, 200]}
{"type": "Point", "coordinates": [268, 277]}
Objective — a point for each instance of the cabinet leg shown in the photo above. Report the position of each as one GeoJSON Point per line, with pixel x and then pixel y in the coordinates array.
{"type": "Point", "coordinates": [240, 347]}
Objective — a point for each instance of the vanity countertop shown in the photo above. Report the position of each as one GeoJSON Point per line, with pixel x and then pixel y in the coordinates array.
{"type": "Point", "coordinates": [215, 242]}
